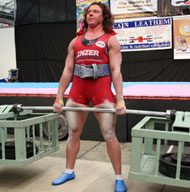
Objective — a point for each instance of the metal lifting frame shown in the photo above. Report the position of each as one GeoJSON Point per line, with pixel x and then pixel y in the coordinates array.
{"type": "Point", "coordinates": [23, 127]}
{"type": "Point", "coordinates": [148, 144]}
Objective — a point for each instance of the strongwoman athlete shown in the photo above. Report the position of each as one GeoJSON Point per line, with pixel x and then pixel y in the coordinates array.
{"type": "Point", "coordinates": [94, 58]}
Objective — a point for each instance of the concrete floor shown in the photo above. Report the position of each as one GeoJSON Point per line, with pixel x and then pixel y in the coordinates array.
{"type": "Point", "coordinates": [93, 170]}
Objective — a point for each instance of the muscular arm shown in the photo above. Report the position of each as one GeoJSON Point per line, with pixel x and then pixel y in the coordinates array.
{"type": "Point", "coordinates": [66, 77]}
{"type": "Point", "coordinates": [115, 60]}
{"type": "Point", "coordinates": [67, 72]}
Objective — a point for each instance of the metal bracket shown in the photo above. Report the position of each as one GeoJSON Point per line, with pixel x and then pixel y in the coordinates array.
{"type": "Point", "coordinates": [5, 108]}
{"type": "Point", "coordinates": [182, 122]}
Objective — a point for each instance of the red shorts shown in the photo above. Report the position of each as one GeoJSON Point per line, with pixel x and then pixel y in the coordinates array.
{"type": "Point", "coordinates": [96, 90]}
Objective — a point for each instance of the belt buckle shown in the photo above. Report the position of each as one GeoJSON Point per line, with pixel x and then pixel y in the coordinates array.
{"type": "Point", "coordinates": [82, 71]}
{"type": "Point", "coordinates": [95, 71]}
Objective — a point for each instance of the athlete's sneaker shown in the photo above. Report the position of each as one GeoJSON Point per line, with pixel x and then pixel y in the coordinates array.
{"type": "Point", "coordinates": [120, 186]}
{"type": "Point", "coordinates": [63, 178]}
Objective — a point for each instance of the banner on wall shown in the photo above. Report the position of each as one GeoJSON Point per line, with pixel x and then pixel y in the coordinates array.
{"type": "Point", "coordinates": [122, 9]}
{"type": "Point", "coordinates": [7, 13]}
{"type": "Point", "coordinates": [80, 6]}
{"type": "Point", "coordinates": [144, 34]}
{"type": "Point", "coordinates": [181, 30]}
{"type": "Point", "coordinates": [180, 2]}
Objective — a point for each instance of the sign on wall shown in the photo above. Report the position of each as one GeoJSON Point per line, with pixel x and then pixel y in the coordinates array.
{"type": "Point", "coordinates": [180, 2]}
{"type": "Point", "coordinates": [122, 9]}
{"type": "Point", "coordinates": [144, 34]}
{"type": "Point", "coordinates": [7, 13]}
{"type": "Point", "coordinates": [181, 28]}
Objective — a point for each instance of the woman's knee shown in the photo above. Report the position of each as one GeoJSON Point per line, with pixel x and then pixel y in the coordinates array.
{"type": "Point", "coordinates": [75, 132]}
{"type": "Point", "coordinates": [109, 136]}
{"type": "Point", "coordinates": [74, 136]}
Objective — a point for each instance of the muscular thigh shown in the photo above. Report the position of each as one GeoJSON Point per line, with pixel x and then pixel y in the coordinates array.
{"type": "Point", "coordinates": [75, 119]}
{"type": "Point", "coordinates": [106, 120]}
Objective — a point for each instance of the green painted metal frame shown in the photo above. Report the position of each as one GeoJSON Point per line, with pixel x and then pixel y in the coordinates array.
{"type": "Point", "coordinates": [25, 125]}
{"type": "Point", "coordinates": [145, 156]}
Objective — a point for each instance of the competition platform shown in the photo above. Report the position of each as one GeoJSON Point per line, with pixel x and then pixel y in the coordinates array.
{"type": "Point", "coordinates": [131, 90]}
{"type": "Point", "coordinates": [154, 96]}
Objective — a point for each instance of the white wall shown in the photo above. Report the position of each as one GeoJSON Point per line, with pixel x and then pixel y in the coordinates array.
{"type": "Point", "coordinates": [7, 51]}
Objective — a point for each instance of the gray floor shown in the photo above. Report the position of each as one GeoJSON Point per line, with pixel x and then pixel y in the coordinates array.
{"type": "Point", "coordinates": [93, 173]}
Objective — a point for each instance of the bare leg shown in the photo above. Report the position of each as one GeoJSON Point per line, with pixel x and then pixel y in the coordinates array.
{"type": "Point", "coordinates": [76, 121]}
{"type": "Point", "coordinates": [107, 125]}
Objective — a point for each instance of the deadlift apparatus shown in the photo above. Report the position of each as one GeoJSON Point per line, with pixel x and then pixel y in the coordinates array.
{"type": "Point", "coordinates": [151, 157]}
{"type": "Point", "coordinates": [22, 146]}
{"type": "Point", "coordinates": [146, 162]}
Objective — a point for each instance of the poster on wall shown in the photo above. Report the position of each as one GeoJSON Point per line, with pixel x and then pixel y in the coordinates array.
{"type": "Point", "coordinates": [142, 34]}
{"type": "Point", "coordinates": [122, 9]}
{"type": "Point", "coordinates": [173, 8]}
{"type": "Point", "coordinates": [180, 2]}
{"type": "Point", "coordinates": [80, 6]}
{"type": "Point", "coordinates": [7, 13]}
{"type": "Point", "coordinates": [181, 30]}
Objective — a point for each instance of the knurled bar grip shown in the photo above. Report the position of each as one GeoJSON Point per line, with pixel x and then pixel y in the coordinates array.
{"type": "Point", "coordinates": [93, 109]}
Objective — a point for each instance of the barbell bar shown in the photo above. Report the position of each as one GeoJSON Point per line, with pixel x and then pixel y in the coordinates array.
{"type": "Point", "coordinates": [168, 114]}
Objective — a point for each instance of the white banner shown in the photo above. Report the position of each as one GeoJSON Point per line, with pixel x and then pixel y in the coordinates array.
{"type": "Point", "coordinates": [181, 28]}
{"type": "Point", "coordinates": [144, 34]}
{"type": "Point", "coordinates": [132, 8]}
{"type": "Point", "coordinates": [180, 2]}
